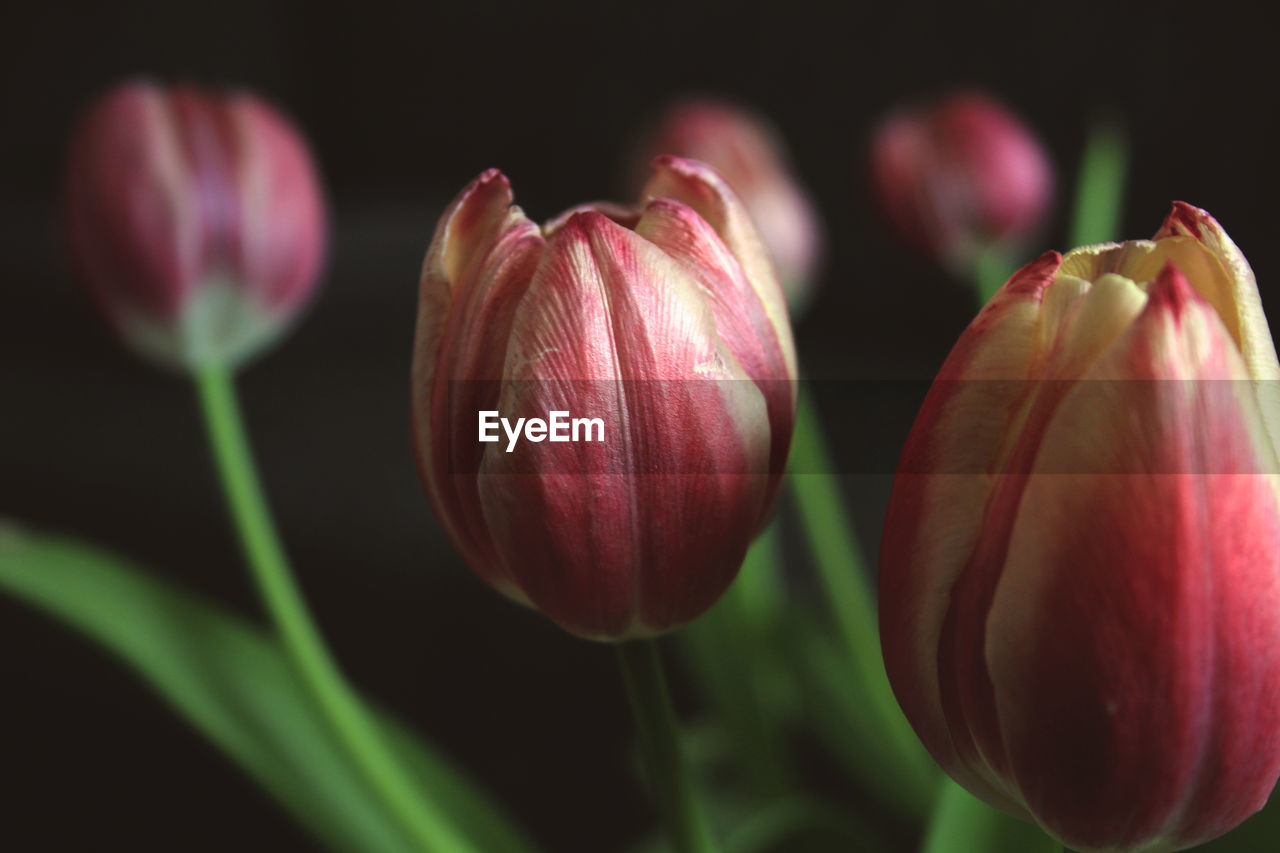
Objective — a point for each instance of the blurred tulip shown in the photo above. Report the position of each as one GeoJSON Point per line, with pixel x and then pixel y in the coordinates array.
{"type": "Point", "coordinates": [196, 221]}
{"type": "Point", "coordinates": [1080, 571]}
{"type": "Point", "coordinates": [666, 322]}
{"type": "Point", "coordinates": [751, 156]}
{"type": "Point", "coordinates": [958, 176]}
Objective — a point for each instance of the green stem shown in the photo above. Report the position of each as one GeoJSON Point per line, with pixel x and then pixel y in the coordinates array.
{"type": "Point", "coordinates": [669, 779]}
{"type": "Point", "coordinates": [1099, 186]}
{"type": "Point", "coordinates": [787, 820]}
{"type": "Point", "coordinates": [757, 594]}
{"type": "Point", "coordinates": [303, 643]}
{"type": "Point", "coordinates": [828, 526]}
{"type": "Point", "coordinates": [733, 650]}
{"type": "Point", "coordinates": [963, 822]}
{"type": "Point", "coordinates": [991, 270]}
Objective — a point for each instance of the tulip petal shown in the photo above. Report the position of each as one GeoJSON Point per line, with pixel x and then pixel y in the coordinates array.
{"type": "Point", "coordinates": [479, 264]}
{"type": "Point", "coordinates": [280, 205]}
{"type": "Point", "coordinates": [945, 477]}
{"type": "Point", "coordinates": [701, 188]}
{"type": "Point", "coordinates": [1132, 640]}
{"type": "Point", "coordinates": [1240, 307]}
{"type": "Point", "coordinates": [132, 227]}
{"type": "Point", "coordinates": [740, 317]}
{"type": "Point", "coordinates": [612, 327]}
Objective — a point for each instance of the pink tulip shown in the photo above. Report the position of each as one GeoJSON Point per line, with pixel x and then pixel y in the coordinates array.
{"type": "Point", "coordinates": [751, 156]}
{"type": "Point", "coordinates": [196, 221]}
{"type": "Point", "coordinates": [1080, 571]}
{"type": "Point", "coordinates": [663, 321]}
{"type": "Point", "coordinates": [955, 177]}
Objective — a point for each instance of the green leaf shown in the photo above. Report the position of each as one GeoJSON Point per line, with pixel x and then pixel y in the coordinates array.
{"type": "Point", "coordinates": [963, 822]}
{"type": "Point", "coordinates": [232, 682]}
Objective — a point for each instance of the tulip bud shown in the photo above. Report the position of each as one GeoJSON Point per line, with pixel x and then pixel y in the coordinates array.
{"type": "Point", "coordinates": [958, 176]}
{"type": "Point", "coordinates": [665, 323]}
{"type": "Point", "coordinates": [751, 156]}
{"type": "Point", "coordinates": [196, 221]}
{"type": "Point", "coordinates": [1080, 571]}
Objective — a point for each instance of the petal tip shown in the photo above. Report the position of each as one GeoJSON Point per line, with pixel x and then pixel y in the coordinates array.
{"type": "Point", "coordinates": [1187, 220]}
{"type": "Point", "coordinates": [687, 168]}
{"type": "Point", "coordinates": [1035, 277]}
{"type": "Point", "coordinates": [488, 191]}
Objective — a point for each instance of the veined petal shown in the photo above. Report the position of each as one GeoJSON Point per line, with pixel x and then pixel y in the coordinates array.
{"type": "Point", "coordinates": [740, 318]}
{"type": "Point", "coordinates": [612, 327]}
{"type": "Point", "coordinates": [1131, 643]}
{"type": "Point", "coordinates": [701, 188]}
{"type": "Point", "coordinates": [478, 266]}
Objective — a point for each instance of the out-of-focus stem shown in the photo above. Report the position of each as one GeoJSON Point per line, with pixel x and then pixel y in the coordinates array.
{"type": "Point", "coordinates": [963, 822]}
{"type": "Point", "coordinates": [670, 782]}
{"type": "Point", "coordinates": [828, 526]}
{"type": "Point", "coordinates": [1099, 197]}
{"type": "Point", "coordinates": [991, 270]}
{"type": "Point", "coordinates": [422, 821]}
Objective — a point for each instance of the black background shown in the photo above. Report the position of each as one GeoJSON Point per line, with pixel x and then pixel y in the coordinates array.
{"type": "Point", "coordinates": [404, 104]}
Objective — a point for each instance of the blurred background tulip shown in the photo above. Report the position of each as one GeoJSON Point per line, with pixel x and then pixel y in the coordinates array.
{"type": "Point", "coordinates": [196, 221]}
{"type": "Point", "coordinates": [958, 176]}
{"type": "Point", "coordinates": [1091, 637]}
{"type": "Point", "coordinates": [751, 155]}
{"type": "Point", "coordinates": [665, 322]}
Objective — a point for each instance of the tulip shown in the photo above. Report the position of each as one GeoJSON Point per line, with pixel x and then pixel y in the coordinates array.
{"type": "Point", "coordinates": [959, 176]}
{"type": "Point", "coordinates": [665, 322]}
{"type": "Point", "coordinates": [751, 156]}
{"type": "Point", "coordinates": [1080, 570]}
{"type": "Point", "coordinates": [196, 221]}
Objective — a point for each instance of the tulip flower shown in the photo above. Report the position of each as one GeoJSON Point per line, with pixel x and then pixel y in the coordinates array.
{"type": "Point", "coordinates": [958, 176]}
{"type": "Point", "coordinates": [1080, 570]}
{"type": "Point", "coordinates": [665, 323]}
{"type": "Point", "coordinates": [751, 156]}
{"type": "Point", "coordinates": [196, 221]}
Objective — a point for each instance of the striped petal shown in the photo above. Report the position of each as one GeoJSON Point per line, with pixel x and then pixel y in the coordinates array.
{"type": "Point", "coordinates": [1132, 643]}
{"type": "Point", "coordinates": [476, 271]}
{"type": "Point", "coordinates": [613, 327]}
{"type": "Point", "coordinates": [945, 478]}
{"type": "Point", "coordinates": [701, 188]}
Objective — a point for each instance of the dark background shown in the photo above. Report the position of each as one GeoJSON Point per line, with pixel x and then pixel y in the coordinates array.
{"type": "Point", "coordinates": [404, 104]}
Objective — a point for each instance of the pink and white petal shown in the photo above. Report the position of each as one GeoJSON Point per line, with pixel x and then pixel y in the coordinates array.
{"type": "Point", "coordinates": [282, 238]}
{"type": "Point", "coordinates": [703, 189]}
{"type": "Point", "coordinates": [1244, 314]}
{"type": "Point", "coordinates": [615, 329]}
{"type": "Point", "coordinates": [1124, 605]}
{"type": "Point", "coordinates": [474, 276]}
{"type": "Point", "coordinates": [946, 475]}
{"type": "Point", "coordinates": [740, 318]}
{"type": "Point", "coordinates": [132, 222]}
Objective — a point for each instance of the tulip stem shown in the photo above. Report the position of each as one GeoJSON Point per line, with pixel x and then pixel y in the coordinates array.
{"type": "Point", "coordinates": [962, 821]}
{"type": "Point", "coordinates": [991, 270]}
{"type": "Point", "coordinates": [1099, 186]}
{"type": "Point", "coordinates": [302, 641]}
{"type": "Point", "coordinates": [828, 527]}
{"type": "Point", "coordinates": [670, 781]}
{"type": "Point", "coordinates": [734, 652]}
